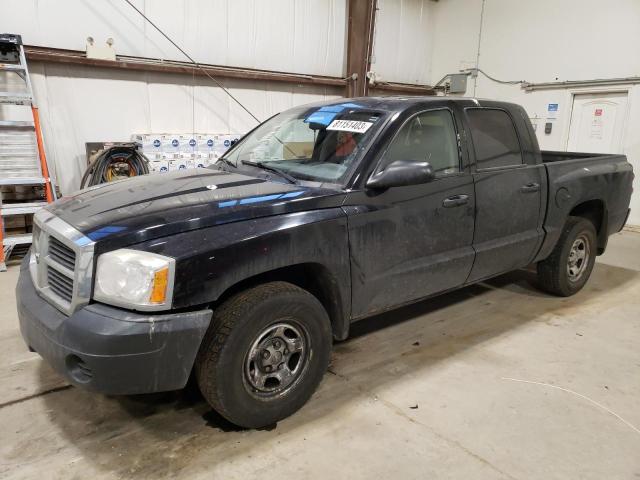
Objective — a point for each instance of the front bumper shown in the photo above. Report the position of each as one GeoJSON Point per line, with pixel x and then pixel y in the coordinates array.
{"type": "Point", "coordinates": [108, 349]}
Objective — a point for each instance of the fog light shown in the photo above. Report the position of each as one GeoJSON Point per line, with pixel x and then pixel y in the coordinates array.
{"type": "Point", "coordinates": [78, 369]}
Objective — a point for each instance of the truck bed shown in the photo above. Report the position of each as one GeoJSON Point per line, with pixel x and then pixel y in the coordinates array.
{"type": "Point", "coordinates": [603, 180]}
{"type": "Point", "coordinates": [550, 156]}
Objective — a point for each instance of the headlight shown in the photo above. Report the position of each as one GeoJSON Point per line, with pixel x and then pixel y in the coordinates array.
{"type": "Point", "coordinates": [134, 279]}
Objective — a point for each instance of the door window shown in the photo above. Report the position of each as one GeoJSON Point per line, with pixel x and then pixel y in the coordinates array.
{"type": "Point", "coordinates": [427, 137]}
{"type": "Point", "coordinates": [495, 140]}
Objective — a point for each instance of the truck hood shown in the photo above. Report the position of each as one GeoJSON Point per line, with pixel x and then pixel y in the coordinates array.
{"type": "Point", "coordinates": [140, 209]}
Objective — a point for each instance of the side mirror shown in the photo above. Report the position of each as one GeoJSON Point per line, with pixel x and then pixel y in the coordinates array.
{"type": "Point", "coordinates": [402, 173]}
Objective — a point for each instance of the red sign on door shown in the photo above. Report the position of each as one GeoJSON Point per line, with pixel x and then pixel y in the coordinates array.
{"type": "Point", "coordinates": [598, 112]}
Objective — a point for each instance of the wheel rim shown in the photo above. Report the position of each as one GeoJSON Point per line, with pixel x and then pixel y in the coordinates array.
{"type": "Point", "coordinates": [578, 258]}
{"type": "Point", "coordinates": [276, 360]}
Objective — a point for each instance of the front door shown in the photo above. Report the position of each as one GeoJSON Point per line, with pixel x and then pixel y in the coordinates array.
{"type": "Point", "coordinates": [413, 241]}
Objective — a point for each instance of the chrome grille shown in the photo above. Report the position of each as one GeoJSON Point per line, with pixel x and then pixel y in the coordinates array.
{"type": "Point", "coordinates": [62, 254]}
{"type": "Point", "coordinates": [61, 262]}
{"type": "Point", "coordinates": [60, 284]}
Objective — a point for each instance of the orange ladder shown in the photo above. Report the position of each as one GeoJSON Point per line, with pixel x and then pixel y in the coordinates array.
{"type": "Point", "coordinates": [22, 156]}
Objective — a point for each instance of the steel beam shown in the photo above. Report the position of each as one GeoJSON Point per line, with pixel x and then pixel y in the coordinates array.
{"type": "Point", "coordinates": [55, 55]}
{"type": "Point", "coordinates": [360, 28]}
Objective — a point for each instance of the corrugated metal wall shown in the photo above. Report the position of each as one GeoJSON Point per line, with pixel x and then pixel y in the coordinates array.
{"type": "Point", "coordinates": [403, 41]}
{"type": "Point", "coordinates": [81, 104]}
{"type": "Point", "coordinates": [286, 35]}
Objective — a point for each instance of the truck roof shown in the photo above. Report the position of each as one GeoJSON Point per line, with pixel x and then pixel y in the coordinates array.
{"type": "Point", "coordinates": [399, 103]}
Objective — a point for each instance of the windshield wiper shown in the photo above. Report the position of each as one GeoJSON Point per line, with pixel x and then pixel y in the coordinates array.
{"type": "Point", "coordinates": [227, 162]}
{"type": "Point", "coordinates": [275, 170]}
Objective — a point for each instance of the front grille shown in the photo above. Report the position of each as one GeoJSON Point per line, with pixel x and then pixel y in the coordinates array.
{"type": "Point", "coordinates": [61, 262]}
{"type": "Point", "coordinates": [60, 284]}
{"type": "Point", "coordinates": [62, 254]}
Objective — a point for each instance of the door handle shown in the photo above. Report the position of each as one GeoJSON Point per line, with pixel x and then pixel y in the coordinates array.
{"type": "Point", "coordinates": [455, 201]}
{"type": "Point", "coordinates": [530, 187]}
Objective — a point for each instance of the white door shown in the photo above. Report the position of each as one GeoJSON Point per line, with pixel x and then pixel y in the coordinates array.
{"type": "Point", "coordinates": [597, 122]}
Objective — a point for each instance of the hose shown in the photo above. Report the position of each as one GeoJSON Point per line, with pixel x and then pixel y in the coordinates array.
{"type": "Point", "coordinates": [102, 168]}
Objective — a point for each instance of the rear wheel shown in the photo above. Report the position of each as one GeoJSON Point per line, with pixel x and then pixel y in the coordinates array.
{"type": "Point", "coordinates": [569, 266]}
{"type": "Point", "coordinates": [264, 354]}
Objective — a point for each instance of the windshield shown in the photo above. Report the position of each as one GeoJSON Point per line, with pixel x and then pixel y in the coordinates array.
{"type": "Point", "coordinates": [316, 144]}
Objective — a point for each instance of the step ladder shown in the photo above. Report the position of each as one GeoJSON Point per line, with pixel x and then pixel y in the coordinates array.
{"type": "Point", "coordinates": [22, 156]}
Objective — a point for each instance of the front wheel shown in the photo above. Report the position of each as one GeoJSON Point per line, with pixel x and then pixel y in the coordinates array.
{"type": "Point", "coordinates": [264, 354]}
{"type": "Point", "coordinates": [569, 266]}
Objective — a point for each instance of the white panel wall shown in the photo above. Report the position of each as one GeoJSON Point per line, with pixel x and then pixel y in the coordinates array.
{"type": "Point", "coordinates": [403, 41]}
{"type": "Point", "coordinates": [544, 41]}
{"type": "Point", "coordinates": [83, 104]}
{"type": "Point", "coordinates": [285, 35]}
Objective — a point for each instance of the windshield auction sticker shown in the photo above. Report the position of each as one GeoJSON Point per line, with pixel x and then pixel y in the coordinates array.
{"type": "Point", "coordinates": [350, 126]}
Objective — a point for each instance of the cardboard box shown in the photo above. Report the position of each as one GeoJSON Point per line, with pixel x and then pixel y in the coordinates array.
{"type": "Point", "coordinates": [168, 151]}
{"type": "Point", "coordinates": [170, 143]}
{"type": "Point", "coordinates": [178, 164]}
{"type": "Point", "coordinates": [158, 166]}
{"type": "Point", "coordinates": [201, 160]}
{"type": "Point", "coordinates": [226, 141]}
{"type": "Point", "coordinates": [170, 156]}
{"type": "Point", "coordinates": [206, 142]}
{"type": "Point", "coordinates": [152, 156]}
{"type": "Point", "coordinates": [292, 150]}
{"type": "Point", "coordinates": [188, 143]}
{"type": "Point", "coordinates": [148, 142]}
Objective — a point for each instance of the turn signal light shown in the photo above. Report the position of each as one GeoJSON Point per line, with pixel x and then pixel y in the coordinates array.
{"type": "Point", "coordinates": [159, 289]}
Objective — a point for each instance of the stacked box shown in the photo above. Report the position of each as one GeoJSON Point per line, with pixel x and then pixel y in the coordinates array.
{"type": "Point", "coordinates": [179, 151]}
{"type": "Point", "coordinates": [171, 143]}
{"type": "Point", "coordinates": [188, 144]}
{"type": "Point", "coordinates": [158, 166]}
{"type": "Point", "coordinates": [202, 160]}
{"type": "Point", "coordinates": [149, 143]}
{"type": "Point", "coordinates": [206, 143]}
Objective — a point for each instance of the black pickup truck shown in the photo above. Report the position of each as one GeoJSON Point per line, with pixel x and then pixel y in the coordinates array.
{"type": "Point", "coordinates": [323, 215]}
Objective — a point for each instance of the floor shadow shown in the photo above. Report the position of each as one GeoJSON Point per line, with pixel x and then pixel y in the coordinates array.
{"type": "Point", "coordinates": [158, 435]}
{"type": "Point", "coordinates": [519, 281]}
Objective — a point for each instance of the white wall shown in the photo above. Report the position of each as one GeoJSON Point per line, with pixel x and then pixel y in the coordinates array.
{"type": "Point", "coordinates": [285, 35]}
{"type": "Point", "coordinates": [81, 104]}
{"type": "Point", "coordinates": [84, 104]}
{"type": "Point", "coordinates": [544, 41]}
{"type": "Point", "coordinates": [403, 41]}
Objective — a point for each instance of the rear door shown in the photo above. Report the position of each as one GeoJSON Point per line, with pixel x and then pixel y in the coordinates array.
{"type": "Point", "coordinates": [508, 194]}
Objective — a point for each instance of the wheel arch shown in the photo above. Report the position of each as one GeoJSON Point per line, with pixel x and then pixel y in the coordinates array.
{"type": "Point", "coordinates": [313, 277]}
{"type": "Point", "coordinates": [596, 212]}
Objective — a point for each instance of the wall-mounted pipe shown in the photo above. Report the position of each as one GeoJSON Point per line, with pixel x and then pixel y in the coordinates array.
{"type": "Point", "coordinates": [602, 82]}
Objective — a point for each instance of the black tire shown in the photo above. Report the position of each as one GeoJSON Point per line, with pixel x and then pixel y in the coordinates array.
{"type": "Point", "coordinates": [223, 365]}
{"type": "Point", "coordinates": [555, 275]}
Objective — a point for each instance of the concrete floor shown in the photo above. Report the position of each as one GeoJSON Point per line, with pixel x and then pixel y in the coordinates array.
{"type": "Point", "coordinates": [493, 381]}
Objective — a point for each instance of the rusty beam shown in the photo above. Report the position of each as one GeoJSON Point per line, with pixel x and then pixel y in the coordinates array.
{"type": "Point", "coordinates": [75, 57]}
{"type": "Point", "coordinates": [360, 28]}
{"type": "Point", "coordinates": [402, 89]}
